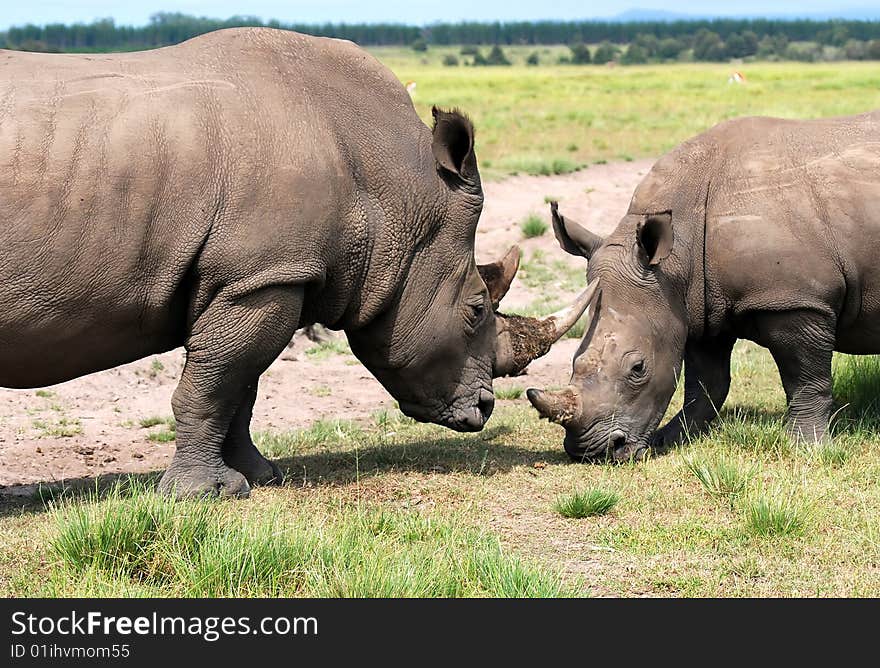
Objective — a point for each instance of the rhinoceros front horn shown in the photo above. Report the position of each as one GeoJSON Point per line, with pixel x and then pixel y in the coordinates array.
{"type": "Point", "coordinates": [559, 407]}
{"type": "Point", "coordinates": [521, 340]}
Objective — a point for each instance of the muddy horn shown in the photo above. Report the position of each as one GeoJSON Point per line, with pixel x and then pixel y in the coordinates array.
{"type": "Point", "coordinates": [521, 340]}
{"type": "Point", "coordinates": [559, 407]}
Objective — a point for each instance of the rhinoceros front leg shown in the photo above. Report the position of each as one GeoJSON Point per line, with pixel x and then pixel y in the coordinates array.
{"type": "Point", "coordinates": [706, 383]}
{"type": "Point", "coordinates": [802, 344]}
{"type": "Point", "coordinates": [239, 451]}
{"type": "Point", "coordinates": [230, 344]}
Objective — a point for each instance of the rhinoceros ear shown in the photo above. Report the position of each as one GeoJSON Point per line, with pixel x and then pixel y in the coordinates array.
{"type": "Point", "coordinates": [453, 143]}
{"type": "Point", "coordinates": [655, 237]}
{"type": "Point", "coordinates": [572, 237]}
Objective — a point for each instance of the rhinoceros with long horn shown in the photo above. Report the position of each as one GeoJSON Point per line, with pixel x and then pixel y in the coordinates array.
{"type": "Point", "coordinates": [760, 229]}
{"type": "Point", "coordinates": [221, 194]}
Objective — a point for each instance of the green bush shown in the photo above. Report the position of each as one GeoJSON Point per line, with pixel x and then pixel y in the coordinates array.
{"type": "Point", "coordinates": [580, 54]}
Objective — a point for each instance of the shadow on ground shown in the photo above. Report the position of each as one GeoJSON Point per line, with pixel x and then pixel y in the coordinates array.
{"type": "Point", "coordinates": [483, 454]}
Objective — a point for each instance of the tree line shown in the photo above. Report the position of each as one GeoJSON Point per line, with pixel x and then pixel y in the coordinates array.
{"type": "Point", "coordinates": [645, 41]}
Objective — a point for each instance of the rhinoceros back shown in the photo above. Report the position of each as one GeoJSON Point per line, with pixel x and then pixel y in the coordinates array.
{"type": "Point", "coordinates": [130, 181]}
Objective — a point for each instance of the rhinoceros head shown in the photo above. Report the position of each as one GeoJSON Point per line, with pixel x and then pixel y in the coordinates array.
{"type": "Point", "coordinates": [625, 370]}
{"type": "Point", "coordinates": [440, 343]}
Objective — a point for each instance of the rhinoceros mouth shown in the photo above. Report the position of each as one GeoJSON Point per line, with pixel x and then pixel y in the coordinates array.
{"type": "Point", "coordinates": [592, 445]}
{"type": "Point", "coordinates": [464, 416]}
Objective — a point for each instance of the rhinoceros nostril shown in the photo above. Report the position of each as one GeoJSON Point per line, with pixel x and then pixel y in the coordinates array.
{"type": "Point", "coordinates": [616, 439]}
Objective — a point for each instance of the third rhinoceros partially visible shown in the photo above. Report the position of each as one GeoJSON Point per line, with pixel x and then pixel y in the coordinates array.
{"type": "Point", "coordinates": [761, 229]}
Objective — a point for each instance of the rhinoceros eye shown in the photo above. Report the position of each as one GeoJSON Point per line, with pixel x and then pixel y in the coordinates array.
{"type": "Point", "coordinates": [637, 371]}
{"type": "Point", "coordinates": [476, 311]}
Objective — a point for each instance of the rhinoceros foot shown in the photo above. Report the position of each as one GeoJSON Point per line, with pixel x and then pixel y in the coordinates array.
{"type": "Point", "coordinates": [254, 467]}
{"type": "Point", "coordinates": [203, 481]}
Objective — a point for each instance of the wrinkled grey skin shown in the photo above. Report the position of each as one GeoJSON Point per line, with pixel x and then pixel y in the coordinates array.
{"type": "Point", "coordinates": [761, 229]}
{"type": "Point", "coordinates": [220, 194]}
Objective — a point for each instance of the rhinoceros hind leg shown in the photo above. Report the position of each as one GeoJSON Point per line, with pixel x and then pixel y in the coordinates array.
{"type": "Point", "coordinates": [239, 451]}
{"type": "Point", "coordinates": [230, 344]}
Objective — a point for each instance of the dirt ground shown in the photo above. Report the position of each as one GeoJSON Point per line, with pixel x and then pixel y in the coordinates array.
{"type": "Point", "coordinates": [91, 426]}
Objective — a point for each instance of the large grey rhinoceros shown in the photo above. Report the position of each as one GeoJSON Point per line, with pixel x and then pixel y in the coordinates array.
{"type": "Point", "coordinates": [761, 229]}
{"type": "Point", "coordinates": [224, 192]}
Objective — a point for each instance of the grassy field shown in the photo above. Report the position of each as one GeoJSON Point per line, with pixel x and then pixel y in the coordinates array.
{"type": "Point", "coordinates": [394, 508]}
{"type": "Point", "coordinates": [557, 118]}
{"type": "Point", "coordinates": [389, 507]}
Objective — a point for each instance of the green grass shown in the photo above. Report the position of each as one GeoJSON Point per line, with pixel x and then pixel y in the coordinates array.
{"type": "Point", "coordinates": [327, 349]}
{"type": "Point", "coordinates": [533, 226]}
{"type": "Point", "coordinates": [776, 516]}
{"type": "Point", "coordinates": [512, 392]}
{"type": "Point", "coordinates": [322, 432]}
{"type": "Point", "coordinates": [391, 506]}
{"type": "Point", "coordinates": [547, 272]}
{"type": "Point", "coordinates": [63, 427]}
{"type": "Point", "coordinates": [857, 385]}
{"type": "Point", "coordinates": [721, 476]}
{"type": "Point", "coordinates": [148, 422]}
{"type": "Point", "coordinates": [138, 542]}
{"type": "Point", "coordinates": [534, 120]}
{"type": "Point", "coordinates": [45, 394]}
{"type": "Point", "coordinates": [588, 503]}
{"type": "Point", "coordinates": [168, 432]}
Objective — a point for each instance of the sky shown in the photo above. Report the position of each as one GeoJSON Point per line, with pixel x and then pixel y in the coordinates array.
{"type": "Point", "coordinates": [137, 12]}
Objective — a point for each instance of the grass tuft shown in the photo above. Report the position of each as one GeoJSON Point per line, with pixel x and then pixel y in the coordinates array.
{"type": "Point", "coordinates": [776, 516]}
{"type": "Point", "coordinates": [514, 392]}
{"type": "Point", "coordinates": [327, 349]}
{"type": "Point", "coordinates": [721, 476]}
{"type": "Point", "coordinates": [588, 503]}
{"type": "Point", "coordinates": [533, 226]}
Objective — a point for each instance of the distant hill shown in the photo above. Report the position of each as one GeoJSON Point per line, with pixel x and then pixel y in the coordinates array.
{"type": "Point", "coordinates": [638, 15]}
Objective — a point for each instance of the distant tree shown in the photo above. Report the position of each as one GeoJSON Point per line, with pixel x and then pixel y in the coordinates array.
{"type": "Point", "coordinates": [750, 39]}
{"type": "Point", "coordinates": [37, 46]}
{"type": "Point", "coordinates": [496, 56]}
{"type": "Point", "coordinates": [872, 52]}
{"type": "Point", "coordinates": [533, 59]}
{"type": "Point", "coordinates": [708, 46]}
{"type": "Point", "coordinates": [648, 43]}
{"type": "Point", "coordinates": [670, 48]}
{"type": "Point", "coordinates": [711, 39]}
{"type": "Point", "coordinates": [807, 53]}
{"type": "Point", "coordinates": [605, 53]}
{"type": "Point", "coordinates": [479, 59]}
{"type": "Point", "coordinates": [836, 35]}
{"type": "Point", "coordinates": [450, 60]}
{"type": "Point", "coordinates": [469, 50]}
{"type": "Point", "coordinates": [735, 46]}
{"type": "Point", "coordinates": [580, 54]}
{"type": "Point", "coordinates": [635, 54]}
{"type": "Point", "coordinates": [775, 45]}
{"type": "Point", "coordinates": [855, 49]}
